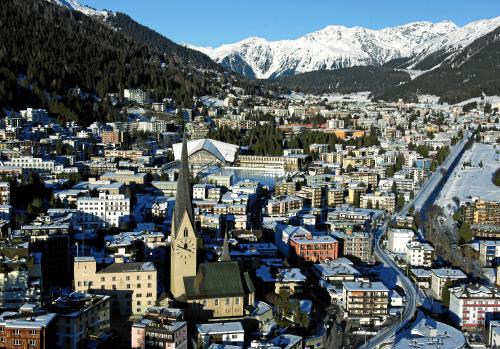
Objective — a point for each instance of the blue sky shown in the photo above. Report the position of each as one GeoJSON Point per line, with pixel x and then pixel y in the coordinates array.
{"type": "Point", "coordinates": [216, 22]}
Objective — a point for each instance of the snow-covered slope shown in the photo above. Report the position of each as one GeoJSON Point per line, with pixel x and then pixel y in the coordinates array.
{"type": "Point", "coordinates": [76, 6]}
{"type": "Point", "coordinates": [338, 47]}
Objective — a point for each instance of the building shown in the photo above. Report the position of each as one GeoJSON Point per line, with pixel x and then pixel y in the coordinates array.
{"type": "Point", "coordinates": [132, 286]}
{"type": "Point", "coordinates": [357, 244]}
{"type": "Point", "coordinates": [312, 248]}
{"type": "Point", "coordinates": [135, 95]}
{"type": "Point", "coordinates": [20, 278]}
{"type": "Point", "coordinates": [473, 305]}
{"type": "Point", "coordinates": [28, 328]}
{"type": "Point", "coordinates": [104, 211]}
{"type": "Point", "coordinates": [489, 251]}
{"type": "Point", "coordinates": [431, 334]}
{"type": "Point", "coordinates": [31, 163]}
{"type": "Point", "coordinates": [398, 239]}
{"type": "Point", "coordinates": [419, 254]}
{"type": "Point", "coordinates": [126, 177]}
{"type": "Point", "coordinates": [365, 302]}
{"type": "Point", "coordinates": [283, 163]}
{"type": "Point", "coordinates": [160, 328]}
{"type": "Point", "coordinates": [4, 193]}
{"type": "Point", "coordinates": [79, 315]}
{"type": "Point", "coordinates": [440, 277]}
{"type": "Point", "coordinates": [228, 333]}
{"type": "Point", "coordinates": [284, 205]}
{"type": "Point", "coordinates": [203, 152]}
{"type": "Point", "coordinates": [336, 271]}
{"type": "Point", "coordinates": [485, 212]}
{"type": "Point", "coordinates": [386, 201]}
{"type": "Point", "coordinates": [115, 137]}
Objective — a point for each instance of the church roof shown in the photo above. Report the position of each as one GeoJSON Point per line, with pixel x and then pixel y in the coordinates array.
{"type": "Point", "coordinates": [183, 201]}
{"type": "Point", "coordinates": [218, 279]}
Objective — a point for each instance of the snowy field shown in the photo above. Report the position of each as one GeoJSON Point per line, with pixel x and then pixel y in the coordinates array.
{"type": "Point", "coordinates": [474, 181]}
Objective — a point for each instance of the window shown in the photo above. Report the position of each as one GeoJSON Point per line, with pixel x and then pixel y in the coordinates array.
{"type": "Point", "coordinates": [17, 342]}
{"type": "Point", "coordinates": [127, 278]}
{"type": "Point", "coordinates": [103, 279]}
{"type": "Point", "coordinates": [128, 285]}
{"type": "Point", "coordinates": [138, 285]}
{"type": "Point", "coordinates": [32, 343]}
{"type": "Point", "coordinates": [186, 233]}
{"type": "Point", "coordinates": [16, 331]}
{"type": "Point", "coordinates": [228, 301]}
{"type": "Point", "coordinates": [32, 332]}
{"type": "Point", "coordinates": [216, 301]}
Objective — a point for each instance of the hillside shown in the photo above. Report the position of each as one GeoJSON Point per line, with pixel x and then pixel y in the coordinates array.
{"type": "Point", "coordinates": [347, 80]}
{"type": "Point", "coordinates": [140, 33]}
{"type": "Point", "coordinates": [54, 49]}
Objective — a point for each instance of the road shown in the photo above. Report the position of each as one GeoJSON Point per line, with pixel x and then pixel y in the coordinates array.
{"type": "Point", "coordinates": [410, 291]}
{"type": "Point", "coordinates": [434, 181]}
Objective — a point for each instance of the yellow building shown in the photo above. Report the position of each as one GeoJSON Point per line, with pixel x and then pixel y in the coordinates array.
{"type": "Point", "coordinates": [132, 286]}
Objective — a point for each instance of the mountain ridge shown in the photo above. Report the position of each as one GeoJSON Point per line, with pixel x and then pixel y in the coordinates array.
{"type": "Point", "coordinates": [335, 47]}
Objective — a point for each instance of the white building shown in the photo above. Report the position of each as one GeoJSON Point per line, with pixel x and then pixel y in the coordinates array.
{"type": "Point", "coordinates": [106, 210]}
{"type": "Point", "coordinates": [31, 163]}
{"type": "Point", "coordinates": [221, 332]}
{"type": "Point", "coordinates": [35, 115]}
{"type": "Point", "coordinates": [470, 305]}
{"type": "Point", "coordinates": [135, 95]}
{"type": "Point", "coordinates": [419, 254]}
{"type": "Point", "coordinates": [439, 277]}
{"type": "Point", "coordinates": [398, 240]}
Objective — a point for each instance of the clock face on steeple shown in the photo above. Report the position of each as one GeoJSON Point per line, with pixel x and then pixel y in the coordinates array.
{"type": "Point", "coordinates": [185, 249]}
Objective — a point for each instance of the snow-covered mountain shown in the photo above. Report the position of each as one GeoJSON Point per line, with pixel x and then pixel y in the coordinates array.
{"type": "Point", "coordinates": [76, 6]}
{"type": "Point", "coordinates": [339, 47]}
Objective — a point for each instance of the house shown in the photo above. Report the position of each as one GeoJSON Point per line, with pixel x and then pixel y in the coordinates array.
{"type": "Point", "coordinates": [231, 333]}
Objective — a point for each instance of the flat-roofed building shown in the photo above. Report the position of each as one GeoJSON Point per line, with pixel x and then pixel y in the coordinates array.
{"type": "Point", "coordinates": [366, 303]}
{"type": "Point", "coordinates": [132, 286]}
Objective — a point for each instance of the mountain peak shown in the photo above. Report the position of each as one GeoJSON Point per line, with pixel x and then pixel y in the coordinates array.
{"type": "Point", "coordinates": [338, 46]}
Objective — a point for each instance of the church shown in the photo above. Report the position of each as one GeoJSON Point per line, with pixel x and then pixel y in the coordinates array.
{"type": "Point", "coordinates": [214, 290]}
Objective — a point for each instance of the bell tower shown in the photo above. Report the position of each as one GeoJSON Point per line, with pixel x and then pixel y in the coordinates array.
{"type": "Point", "coordinates": [183, 234]}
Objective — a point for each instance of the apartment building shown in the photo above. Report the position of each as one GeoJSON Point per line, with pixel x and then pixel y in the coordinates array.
{"type": "Point", "coordinates": [440, 277]}
{"type": "Point", "coordinates": [355, 244]}
{"type": "Point", "coordinates": [79, 315]}
{"type": "Point", "coordinates": [4, 193]}
{"type": "Point", "coordinates": [398, 239]}
{"type": "Point", "coordinates": [285, 188]}
{"type": "Point", "coordinates": [489, 251]}
{"type": "Point", "coordinates": [334, 197]}
{"type": "Point", "coordinates": [472, 305]}
{"type": "Point", "coordinates": [284, 163]}
{"type": "Point", "coordinates": [486, 212]}
{"type": "Point", "coordinates": [105, 210]}
{"type": "Point", "coordinates": [31, 163]}
{"type": "Point", "coordinates": [313, 196]}
{"type": "Point", "coordinates": [226, 333]}
{"type": "Point", "coordinates": [135, 95]}
{"type": "Point", "coordinates": [132, 286]}
{"type": "Point", "coordinates": [419, 254]}
{"type": "Point", "coordinates": [126, 177]}
{"type": "Point", "coordinates": [284, 205]}
{"type": "Point", "coordinates": [383, 201]}
{"type": "Point", "coordinates": [312, 248]}
{"type": "Point", "coordinates": [365, 302]}
{"type": "Point", "coordinates": [28, 328]}
{"type": "Point", "coordinates": [114, 137]}
{"type": "Point", "coordinates": [160, 328]}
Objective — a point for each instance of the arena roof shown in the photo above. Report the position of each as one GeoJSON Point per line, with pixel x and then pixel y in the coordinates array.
{"type": "Point", "coordinates": [225, 152]}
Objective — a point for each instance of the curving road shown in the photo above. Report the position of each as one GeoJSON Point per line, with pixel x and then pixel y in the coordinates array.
{"type": "Point", "coordinates": [410, 291]}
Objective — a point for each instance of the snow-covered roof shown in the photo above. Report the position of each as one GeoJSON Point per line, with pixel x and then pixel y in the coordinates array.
{"type": "Point", "coordinates": [225, 152]}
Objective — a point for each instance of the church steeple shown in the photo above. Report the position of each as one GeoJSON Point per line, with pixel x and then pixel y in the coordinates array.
{"type": "Point", "coordinates": [225, 255]}
{"type": "Point", "coordinates": [183, 201]}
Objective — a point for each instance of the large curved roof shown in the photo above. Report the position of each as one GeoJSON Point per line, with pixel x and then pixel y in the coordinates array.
{"type": "Point", "coordinates": [225, 152]}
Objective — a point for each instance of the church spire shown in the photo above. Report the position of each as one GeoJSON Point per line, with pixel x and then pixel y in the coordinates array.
{"type": "Point", "coordinates": [183, 202]}
{"type": "Point", "coordinates": [225, 256]}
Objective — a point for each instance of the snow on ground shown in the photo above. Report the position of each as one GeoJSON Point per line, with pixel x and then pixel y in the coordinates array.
{"type": "Point", "coordinates": [211, 102]}
{"type": "Point", "coordinates": [478, 100]}
{"type": "Point", "coordinates": [414, 73]}
{"type": "Point", "coordinates": [352, 97]}
{"type": "Point", "coordinates": [474, 181]}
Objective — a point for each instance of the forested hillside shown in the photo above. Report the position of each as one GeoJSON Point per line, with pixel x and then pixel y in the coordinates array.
{"type": "Point", "coordinates": [47, 50]}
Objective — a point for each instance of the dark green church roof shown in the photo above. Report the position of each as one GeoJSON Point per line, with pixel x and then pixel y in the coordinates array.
{"type": "Point", "coordinates": [216, 280]}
